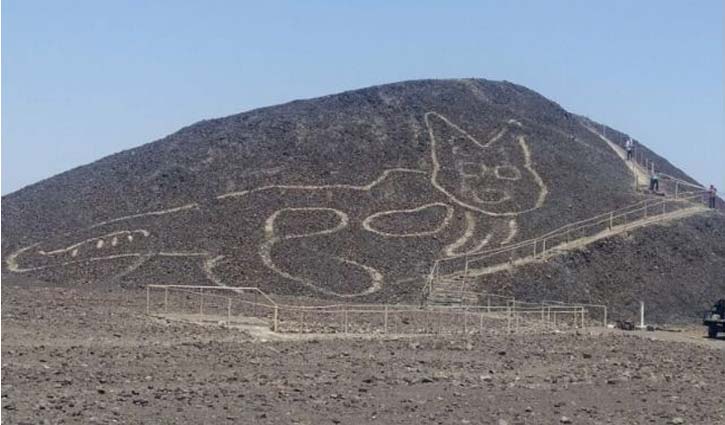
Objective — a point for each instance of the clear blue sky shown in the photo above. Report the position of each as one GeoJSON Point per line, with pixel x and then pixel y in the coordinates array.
{"type": "Point", "coordinates": [84, 79]}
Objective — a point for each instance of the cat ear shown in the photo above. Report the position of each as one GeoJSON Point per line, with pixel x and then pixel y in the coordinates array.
{"type": "Point", "coordinates": [446, 134]}
{"type": "Point", "coordinates": [453, 148]}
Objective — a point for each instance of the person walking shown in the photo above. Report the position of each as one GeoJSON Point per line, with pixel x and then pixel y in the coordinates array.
{"type": "Point", "coordinates": [712, 195]}
{"type": "Point", "coordinates": [629, 146]}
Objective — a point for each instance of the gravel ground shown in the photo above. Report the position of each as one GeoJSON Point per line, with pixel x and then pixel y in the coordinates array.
{"type": "Point", "coordinates": [89, 355]}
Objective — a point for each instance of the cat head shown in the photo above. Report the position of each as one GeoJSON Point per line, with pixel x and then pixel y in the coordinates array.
{"type": "Point", "coordinates": [495, 177]}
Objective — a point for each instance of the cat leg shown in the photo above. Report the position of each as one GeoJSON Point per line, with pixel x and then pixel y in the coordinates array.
{"type": "Point", "coordinates": [301, 252]}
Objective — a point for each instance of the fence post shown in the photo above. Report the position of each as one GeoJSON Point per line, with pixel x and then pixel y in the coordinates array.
{"type": "Point", "coordinates": [677, 187]}
{"type": "Point", "coordinates": [480, 324]}
{"type": "Point", "coordinates": [548, 316]}
{"type": "Point", "coordinates": [275, 325]}
{"type": "Point", "coordinates": [465, 274]}
{"type": "Point", "coordinates": [386, 319]}
{"type": "Point", "coordinates": [465, 321]}
{"type": "Point", "coordinates": [636, 178]}
{"type": "Point", "coordinates": [488, 303]}
{"type": "Point", "coordinates": [346, 319]}
{"type": "Point", "coordinates": [583, 317]}
{"type": "Point", "coordinates": [605, 316]}
{"type": "Point", "coordinates": [508, 319]}
{"type": "Point", "coordinates": [534, 248]}
{"type": "Point", "coordinates": [645, 207]}
{"type": "Point", "coordinates": [611, 220]}
{"type": "Point", "coordinates": [148, 299]}
{"type": "Point", "coordinates": [166, 300]}
{"type": "Point", "coordinates": [438, 322]}
{"type": "Point", "coordinates": [543, 248]}
{"type": "Point", "coordinates": [201, 301]}
{"type": "Point", "coordinates": [229, 309]}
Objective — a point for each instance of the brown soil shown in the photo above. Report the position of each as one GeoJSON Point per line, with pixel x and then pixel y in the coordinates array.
{"type": "Point", "coordinates": [84, 355]}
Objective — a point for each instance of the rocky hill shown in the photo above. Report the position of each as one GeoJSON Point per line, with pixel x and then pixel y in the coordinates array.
{"type": "Point", "coordinates": [352, 196]}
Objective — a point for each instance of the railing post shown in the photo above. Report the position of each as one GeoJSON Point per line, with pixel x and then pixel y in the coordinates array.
{"type": "Point", "coordinates": [605, 316]}
{"type": "Point", "coordinates": [386, 320]}
{"type": "Point", "coordinates": [548, 316]}
{"type": "Point", "coordinates": [508, 319]}
{"type": "Point", "coordinates": [275, 320]}
{"type": "Point", "coordinates": [488, 303]}
{"type": "Point", "coordinates": [201, 301]}
{"type": "Point", "coordinates": [465, 321]}
{"type": "Point", "coordinates": [346, 320]}
{"type": "Point", "coordinates": [480, 324]}
{"type": "Point", "coordinates": [465, 275]}
{"type": "Point", "coordinates": [543, 248]}
{"type": "Point", "coordinates": [636, 177]}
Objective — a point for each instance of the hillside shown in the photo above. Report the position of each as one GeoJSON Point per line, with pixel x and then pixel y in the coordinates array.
{"type": "Point", "coordinates": [352, 195]}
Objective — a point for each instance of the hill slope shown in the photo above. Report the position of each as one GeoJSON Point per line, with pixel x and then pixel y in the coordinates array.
{"type": "Point", "coordinates": [352, 195]}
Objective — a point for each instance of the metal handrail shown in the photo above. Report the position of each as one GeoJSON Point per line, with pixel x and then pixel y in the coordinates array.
{"type": "Point", "coordinates": [608, 217]}
{"type": "Point", "coordinates": [601, 218]}
{"type": "Point", "coordinates": [229, 288]}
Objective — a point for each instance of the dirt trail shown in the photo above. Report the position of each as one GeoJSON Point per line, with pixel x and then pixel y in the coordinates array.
{"type": "Point", "coordinates": [641, 176]}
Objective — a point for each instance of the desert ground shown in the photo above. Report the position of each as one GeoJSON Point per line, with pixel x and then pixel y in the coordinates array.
{"type": "Point", "coordinates": [91, 355]}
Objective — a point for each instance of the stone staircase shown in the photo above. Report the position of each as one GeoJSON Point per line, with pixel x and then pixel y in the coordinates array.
{"type": "Point", "coordinates": [449, 291]}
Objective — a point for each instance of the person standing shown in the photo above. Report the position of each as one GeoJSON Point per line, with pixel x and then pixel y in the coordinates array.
{"type": "Point", "coordinates": [629, 146]}
{"type": "Point", "coordinates": [712, 195]}
{"type": "Point", "coordinates": [654, 182]}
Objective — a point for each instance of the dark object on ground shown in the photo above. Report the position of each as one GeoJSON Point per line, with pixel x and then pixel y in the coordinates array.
{"type": "Point", "coordinates": [625, 325]}
{"type": "Point", "coordinates": [715, 319]}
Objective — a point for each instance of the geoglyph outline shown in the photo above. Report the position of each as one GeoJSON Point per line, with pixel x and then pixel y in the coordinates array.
{"type": "Point", "coordinates": [271, 238]}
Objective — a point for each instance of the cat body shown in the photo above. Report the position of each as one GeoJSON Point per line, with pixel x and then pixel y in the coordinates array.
{"type": "Point", "coordinates": [341, 240]}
